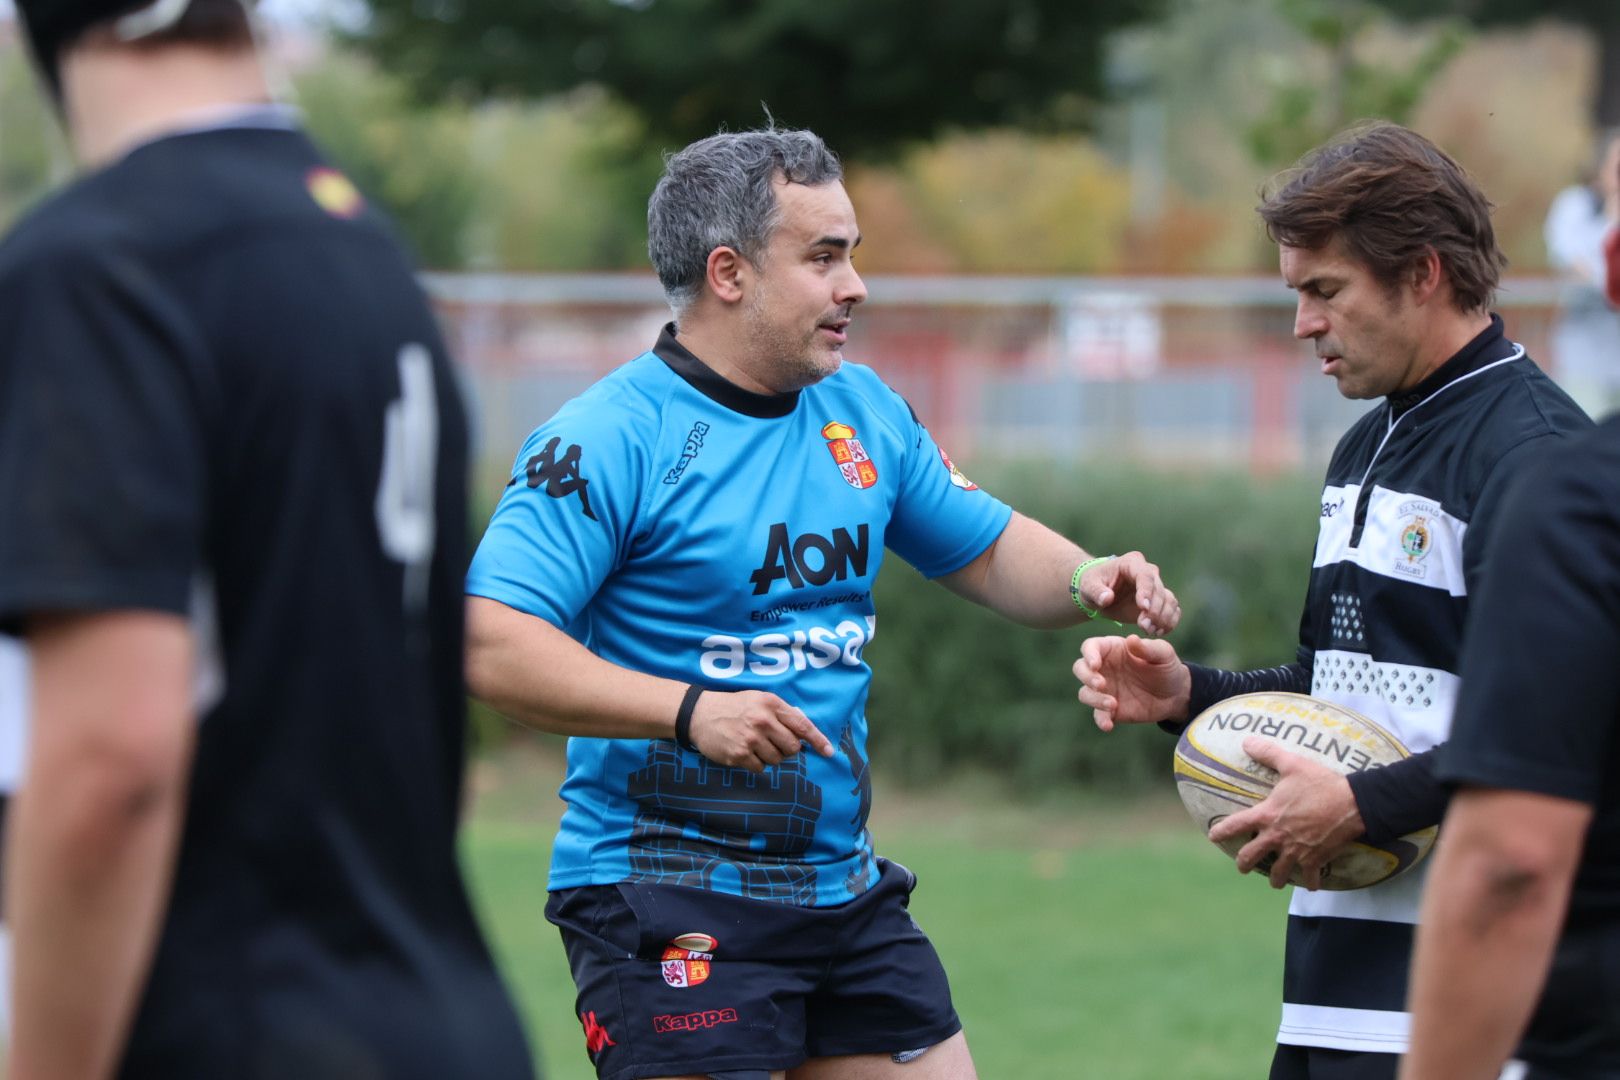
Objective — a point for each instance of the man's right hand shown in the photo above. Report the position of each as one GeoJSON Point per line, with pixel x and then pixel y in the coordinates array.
{"type": "Point", "coordinates": [1132, 680]}
{"type": "Point", "coordinates": [752, 729]}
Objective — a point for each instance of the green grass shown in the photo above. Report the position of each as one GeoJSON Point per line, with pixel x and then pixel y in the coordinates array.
{"type": "Point", "coordinates": [1082, 939]}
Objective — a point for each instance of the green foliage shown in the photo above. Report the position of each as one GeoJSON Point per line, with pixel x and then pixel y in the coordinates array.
{"type": "Point", "coordinates": [869, 77]}
{"type": "Point", "coordinates": [1306, 108]}
{"type": "Point", "coordinates": [956, 687]}
{"type": "Point", "coordinates": [565, 185]}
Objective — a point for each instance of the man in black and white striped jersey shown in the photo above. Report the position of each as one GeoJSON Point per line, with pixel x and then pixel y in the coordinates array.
{"type": "Point", "coordinates": [1389, 245]}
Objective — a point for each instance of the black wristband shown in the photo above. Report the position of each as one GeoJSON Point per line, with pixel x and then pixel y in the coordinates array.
{"type": "Point", "coordinates": [683, 718]}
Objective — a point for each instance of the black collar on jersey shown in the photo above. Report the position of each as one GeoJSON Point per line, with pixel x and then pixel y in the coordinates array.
{"type": "Point", "coordinates": [1487, 347]}
{"type": "Point", "coordinates": [714, 386]}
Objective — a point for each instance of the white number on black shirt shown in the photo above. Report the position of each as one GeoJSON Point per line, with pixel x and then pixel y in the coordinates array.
{"type": "Point", "coordinates": [410, 454]}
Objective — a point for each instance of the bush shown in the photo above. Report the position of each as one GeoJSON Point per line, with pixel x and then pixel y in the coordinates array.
{"type": "Point", "coordinates": [957, 687]}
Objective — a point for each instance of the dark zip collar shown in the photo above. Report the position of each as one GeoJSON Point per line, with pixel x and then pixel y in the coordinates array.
{"type": "Point", "coordinates": [1487, 347]}
{"type": "Point", "coordinates": [714, 386]}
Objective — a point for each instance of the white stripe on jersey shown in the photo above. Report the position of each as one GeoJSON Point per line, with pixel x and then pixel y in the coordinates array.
{"type": "Point", "coordinates": [1396, 900]}
{"type": "Point", "coordinates": [1374, 1030]}
{"type": "Point", "coordinates": [13, 712]}
{"type": "Point", "coordinates": [1412, 701]}
{"type": "Point", "coordinates": [1407, 537]}
{"type": "Point", "coordinates": [1344, 1029]}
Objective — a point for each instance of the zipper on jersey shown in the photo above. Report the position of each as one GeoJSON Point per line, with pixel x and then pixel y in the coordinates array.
{"type": "Point", "coordinates": [1364, 496]}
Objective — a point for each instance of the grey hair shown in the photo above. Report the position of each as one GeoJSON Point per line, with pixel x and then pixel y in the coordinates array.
{"type": "Point", "coordinates": [718, 192]}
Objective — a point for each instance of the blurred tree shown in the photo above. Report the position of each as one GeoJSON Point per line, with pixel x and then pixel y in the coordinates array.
{"type": "Point", "coordinates": [869, 77]}
{"type": "Point", "coordinates": [1306, 108]}
{"type": "Point", "coordinates": [1600, 17]}
{"type": "Point", "coordinates": [564, 185]}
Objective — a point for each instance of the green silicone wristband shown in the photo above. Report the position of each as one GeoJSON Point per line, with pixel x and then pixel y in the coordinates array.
{"type": "Point", "coordinates": [1074, 584]}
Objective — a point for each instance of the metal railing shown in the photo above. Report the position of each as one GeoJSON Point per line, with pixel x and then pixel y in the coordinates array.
{"type": "Point", "coordinates": [1179, 371]}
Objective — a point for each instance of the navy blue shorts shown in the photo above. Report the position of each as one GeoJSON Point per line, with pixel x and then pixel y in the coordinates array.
{"type": "Point", "coordinates": [675, 980]}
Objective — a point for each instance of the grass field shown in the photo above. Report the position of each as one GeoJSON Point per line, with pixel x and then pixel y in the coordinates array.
{"type": "Point", "coordinates": [1082, 940]}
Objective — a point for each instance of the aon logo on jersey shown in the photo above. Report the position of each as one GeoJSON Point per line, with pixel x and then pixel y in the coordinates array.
{"type": "Point", "coordinates": [726, 657]}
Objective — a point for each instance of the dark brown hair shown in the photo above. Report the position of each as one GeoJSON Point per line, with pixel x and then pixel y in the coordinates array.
{"type": "Point", "coordinates": [1390, 196]}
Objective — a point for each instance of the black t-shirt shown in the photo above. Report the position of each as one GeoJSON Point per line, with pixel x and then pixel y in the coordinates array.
{"type": "Point", "coordinates": [1539, 711]}
{"type": "Point", "coordinates": [223, 395]}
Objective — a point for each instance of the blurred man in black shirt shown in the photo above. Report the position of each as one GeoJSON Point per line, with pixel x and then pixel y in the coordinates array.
{"type": "Point", "coordinates": [232, 458]}
{"type": "Point", "coordinates": [1520, 939]}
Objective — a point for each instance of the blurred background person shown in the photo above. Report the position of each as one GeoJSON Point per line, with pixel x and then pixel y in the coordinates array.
{"type": "Point", "coordinates": [232, 457]}
{"type": "Point", "coordinates": [1586, 334]}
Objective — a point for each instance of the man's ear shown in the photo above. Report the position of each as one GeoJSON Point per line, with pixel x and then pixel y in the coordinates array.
{"type": "Point", "coordinates": [726, 272]}
{"type": "Point", "coordinates": [1427, 275]}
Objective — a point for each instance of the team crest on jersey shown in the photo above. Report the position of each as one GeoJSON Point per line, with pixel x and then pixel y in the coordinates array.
{"type": "Point", "coordinates": [956, 474]}
{"type": "Point", "coordinates": [688, 960]}
{"type": "Point", "coordinates": [852, 458]}
{"type": "Point", "coordinates": [334, 192]}
{"type": "Point", "coordinates": [1416, 539]}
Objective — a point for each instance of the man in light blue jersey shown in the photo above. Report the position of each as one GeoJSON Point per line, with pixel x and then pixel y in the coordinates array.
{"type": "Point", "coordinates": [680, 575]}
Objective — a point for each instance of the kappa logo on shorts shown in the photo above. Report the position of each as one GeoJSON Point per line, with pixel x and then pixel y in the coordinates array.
{"type": "Point", "coordinates": [956, 474]}
{"type": "Point", "coordinates": [696, 1021]}
{"type": "Point", "coordinates": [852, 458]}
{"type": "Point", "coordinates": [596, 1036]}
{"type": "Point", "coordinates": [688, 960]}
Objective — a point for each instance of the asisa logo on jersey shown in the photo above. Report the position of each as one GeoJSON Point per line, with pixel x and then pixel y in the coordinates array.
{"type": "Point", "coordinates": [334, 193]}
{"type": "Point", "coordinates": [688, 960]}
{"type": "Point", "coordinates": [852, 458]}
{"type": "Point", "coordinates": [956, 474]}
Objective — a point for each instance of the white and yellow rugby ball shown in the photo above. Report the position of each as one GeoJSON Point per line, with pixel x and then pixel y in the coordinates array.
{"type": "Point", "coordinates": [1216, 779]}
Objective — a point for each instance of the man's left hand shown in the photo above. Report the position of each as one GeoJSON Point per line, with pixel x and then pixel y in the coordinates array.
{"type": "Point", "coordinates": [1308, 818]}
{"type": "Point", "coordinates": [1128, 590]}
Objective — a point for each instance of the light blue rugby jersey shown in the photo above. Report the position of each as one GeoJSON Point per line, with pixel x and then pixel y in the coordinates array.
{"type": "Point", "coordinates": [678, 525]}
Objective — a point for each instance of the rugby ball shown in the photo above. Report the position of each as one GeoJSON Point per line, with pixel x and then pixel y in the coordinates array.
{"type": "Point", "coordinates": [1216, 779]}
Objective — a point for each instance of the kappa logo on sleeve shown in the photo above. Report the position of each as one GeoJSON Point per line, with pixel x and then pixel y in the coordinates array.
{"type": "Point", "coordinates": [560, 475]}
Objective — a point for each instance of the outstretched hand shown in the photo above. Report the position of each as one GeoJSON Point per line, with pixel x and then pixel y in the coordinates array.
{"type": "Point", "coordinates": [1132, 680]}
{"type": "Point", "coordinates": [1307, 819]}
{"type": "Point", "coordinates": [1128, 590]}
{"type": "Point", "coordinates": [752, 729]}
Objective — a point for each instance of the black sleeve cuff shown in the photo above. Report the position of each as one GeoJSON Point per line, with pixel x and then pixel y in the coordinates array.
{"type": "Point", "coordinates": [1400, 798]}
{"type": "Point", "coordinates": [1210, 685]}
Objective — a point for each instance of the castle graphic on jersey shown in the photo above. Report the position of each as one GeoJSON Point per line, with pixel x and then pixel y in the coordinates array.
{"type": "Point", "coordinates": [858, 879]}
{"type": "Point", "coordinates": [695, 818]}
